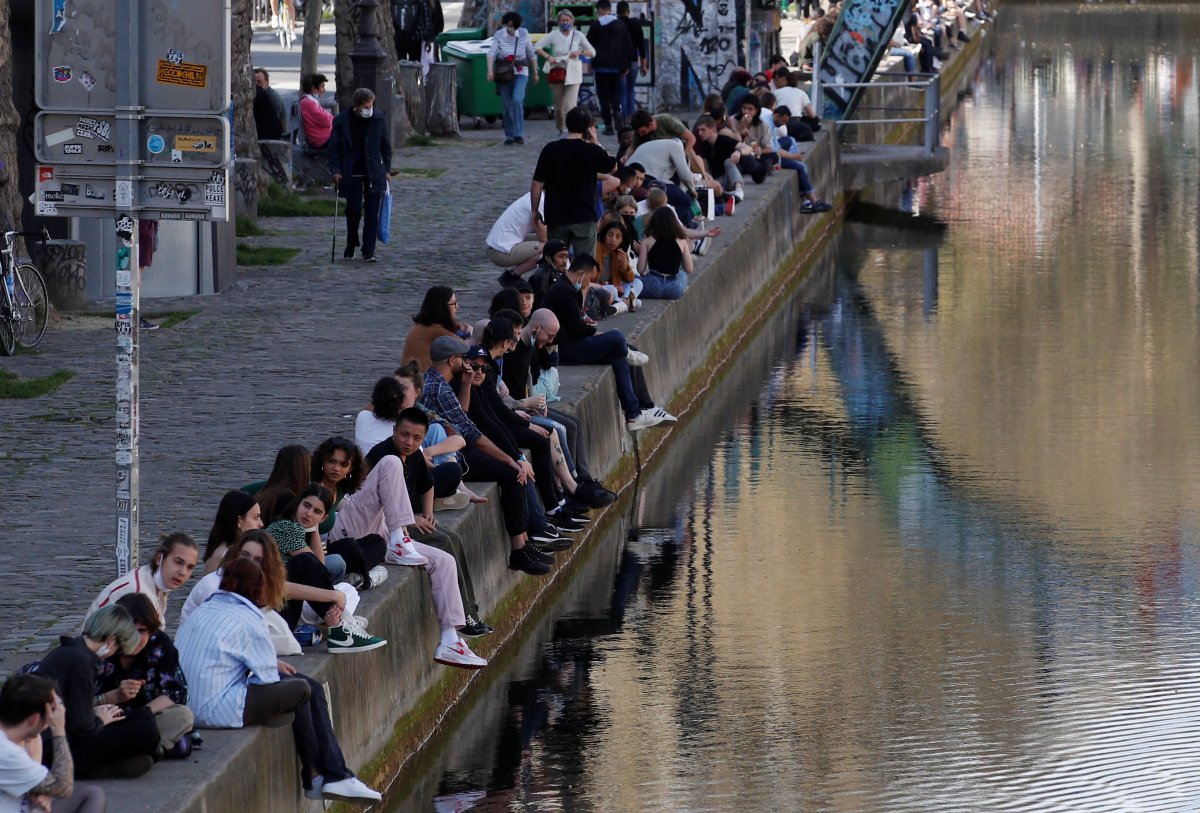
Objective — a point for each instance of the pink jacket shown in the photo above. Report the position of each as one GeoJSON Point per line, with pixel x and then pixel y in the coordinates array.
{"type": "Point", "coordinates": [316, 121]}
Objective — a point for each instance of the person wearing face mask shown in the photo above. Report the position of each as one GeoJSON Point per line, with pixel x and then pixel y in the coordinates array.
{"type": "Point", "coordinates": [105, 741]}
{"type": "Point", "coordinates": [171, 565]}
{"type": "Point", "coordinates": [360, 162]}
{"type": "Point", "coordinates": [562, 48]}
{"type": "Point", "coordinates": [511, 44]}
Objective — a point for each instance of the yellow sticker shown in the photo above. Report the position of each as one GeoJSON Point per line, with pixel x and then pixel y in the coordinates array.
{"type": "Point", "coordinates": [196, 143]}
{"type": "Point", "coordinates": [185, 74]}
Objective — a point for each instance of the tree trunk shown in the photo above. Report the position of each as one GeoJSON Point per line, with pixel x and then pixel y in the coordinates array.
{"type": "Point", "coordinates": [441, 102]}
{"type": "Point", "coordinates": [474, 14]}
{"type": "Point", "coordinates": [10, 194]}
{"type": "Point", "coordinates": [414, 94]}
{"type": "Point", "coordinates": [345, 22]}
{"type": "Point", "coordinates": [241, 80]}
{"type": "Point", "coordinates": [312, 38]}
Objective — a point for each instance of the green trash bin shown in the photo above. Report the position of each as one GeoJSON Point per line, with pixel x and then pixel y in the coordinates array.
{"type": "Point", "coordinates": [477, 96]}
{"type": "Point", "coordinates": [459, 35]}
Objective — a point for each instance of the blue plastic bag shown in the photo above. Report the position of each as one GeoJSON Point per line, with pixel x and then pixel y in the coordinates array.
{"type": "Point", "coordinates": [385, 216]}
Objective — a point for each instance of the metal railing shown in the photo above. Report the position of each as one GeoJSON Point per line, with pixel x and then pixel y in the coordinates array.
{"type": "Point", "coordinates": [930, 111]}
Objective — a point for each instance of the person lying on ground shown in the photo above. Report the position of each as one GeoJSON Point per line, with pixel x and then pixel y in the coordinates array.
{"type": "Point", "coordinates": [408, 434]}
{"type": "Point", "coordinates": [236, 680]}
{"type": "Point", "coordinates": [29, 708]}
{"type": "Point", "coordinates": [438, 317]}
{"type": "Point", "coordinates": [289, 474]}
{"type": "Point", "coordinates": [105, 740]}
{"type": "Point", "coordinates": [238, 511]}
{"type": "Point", "coordinates": [149, 677]}
{"type": "Point", "coordinates": [665, 260]}
{"type": "Point", "coordinates": [556, 256]}
{"type": "Point", "coordinates": [382, 508]}
{"type": "Point", "coordinates": [170, 566]}
{"type": "Point", "coordinates": [579, 343]}
{"type": "Point", "coordinates": [511, 244]}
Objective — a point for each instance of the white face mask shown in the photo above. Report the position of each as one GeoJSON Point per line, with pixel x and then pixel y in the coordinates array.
{"type": "Point", "coordinates": [365, 112]}
{"type": "Point", "coordinates": [103, 651]}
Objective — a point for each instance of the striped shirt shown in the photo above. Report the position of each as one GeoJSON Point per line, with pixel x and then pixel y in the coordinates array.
{"type": "Point", "coordinates": [516, 49]}
{"type": "Point", "coordinates": [223, 646]}
{"type": "Point", "coordinates": [137, 581]}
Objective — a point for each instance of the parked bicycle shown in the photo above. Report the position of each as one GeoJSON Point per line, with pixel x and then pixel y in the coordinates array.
{"type": "Point", "coordinates": [24, 305]}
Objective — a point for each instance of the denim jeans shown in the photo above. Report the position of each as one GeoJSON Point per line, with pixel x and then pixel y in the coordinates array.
{"type": "Point", "coordinates": [512, 96]}
{"type": "Point", "coordinates": [910, 61]}
{"type": "Point", "coordinates": [628, 96]}
{"type": "Point", "coordinates": [789, 145]}
{"type": "Point", "coordinates": [656, 286]}
{"type": "Point", "coordinates": [606, 348]}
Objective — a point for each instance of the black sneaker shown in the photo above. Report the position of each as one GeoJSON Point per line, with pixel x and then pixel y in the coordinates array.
{"type": "Point", "coordinates": [594, 495]}
{"type": "Point", "coordinates": [518, 140]}
{"type": "Point", "coordinates": [565, 522]}
{"type": "Point", "coordinates": [507, 278]}
{"type": "Point", "coordinates": [348, 252]}
{"type": "Point", "coordinates": [146, 324]}
{"type": "Point", "coordinates": [539, 555]}
{"type": "Point", "coordinates": [549, 535]}
{"type": "Point", "coordinates": [474, 627]}
{"type": "Point", "coordinates": [521, 560]}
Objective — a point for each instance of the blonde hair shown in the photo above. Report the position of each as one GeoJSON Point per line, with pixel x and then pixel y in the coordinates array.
{"type": "Point", "coordinates": [567, 14]}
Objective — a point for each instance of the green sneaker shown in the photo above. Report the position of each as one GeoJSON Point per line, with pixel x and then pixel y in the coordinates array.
{"type": "Point", "coordinates": [351, 637]}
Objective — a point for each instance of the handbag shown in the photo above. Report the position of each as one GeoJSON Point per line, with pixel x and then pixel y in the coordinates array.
{"type": "Point", "coordinates": [558, 73]}
{"type": "Point", "coordinates": [504, 70]}
{"type": "Point", "coordinates": [385, 215]}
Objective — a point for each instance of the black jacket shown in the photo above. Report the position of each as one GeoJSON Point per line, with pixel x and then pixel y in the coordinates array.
{"type": "Point", "coordinates": [376, 143]}
{"type": "Point", "coordinates": [614, 48]}
{"type": "Point", "coordinates": [565, 302]}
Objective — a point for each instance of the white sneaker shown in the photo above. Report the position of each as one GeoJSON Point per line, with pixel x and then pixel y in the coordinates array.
{"type": "Point", "coordinates": [274, 21]}
{"type": "Point", "coordinates": [739, 194]}
{"type": "Point", "coordinates": [636, 359]}
{"type": "Point", "coordinates": [620, 306]}
{"type": "Point", "coordinates": [351, 789]}
{"type": "Point", "coordinates": [642, 421]}
{"type": "Point", "coordinates": [702, 246]}
{"type": "Point", "coordinates": [404, 553]}
{"type": "Point", "coordinates": [661, 414]}
{"type": "Point", "coordinates": [458, 655]}
{"type": "Point", "coordinates": [378, 575]}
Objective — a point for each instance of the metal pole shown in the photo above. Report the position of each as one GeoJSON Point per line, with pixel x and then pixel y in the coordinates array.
{"type": "Point", "coordinates": [128, 293]}
{"type": "Point", "coordinates": [818, 102]}
{"type": "Point", "coordinates": [367, 57]}
{"type": "Point", "coordinates": [933, 114]}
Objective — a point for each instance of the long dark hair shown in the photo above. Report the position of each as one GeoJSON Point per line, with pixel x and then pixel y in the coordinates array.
{"type": "Point", "coordinates": [387, 397]}
{"type": "Point", "coordinates": [289, 474]}
{"type": "Point", "coordinates": [233, 507]}
{"type": "Point", "coordinates": [664, 225]}
{"type": "Point", "coordinates": [354, 477]}
{"type": "Point", "coordinates": [435, 309]}
{"type": "Point", "coordinates": [311, 490]}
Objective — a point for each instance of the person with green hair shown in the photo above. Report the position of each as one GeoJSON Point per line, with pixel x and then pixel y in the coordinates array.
{"type": "Point", "coordinates": [105, 740]}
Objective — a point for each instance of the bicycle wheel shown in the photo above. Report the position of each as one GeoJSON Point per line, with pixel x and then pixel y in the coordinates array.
{"type": "Point", "coordinates": [8, 342]}
{"type": "Point", "coordinates": [33, 306]}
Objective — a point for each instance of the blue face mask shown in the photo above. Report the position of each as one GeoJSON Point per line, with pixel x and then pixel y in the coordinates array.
{"type": "Point", "coordinates": [564, 27]}
{"type": "Point", "coordinates": [579, 285]}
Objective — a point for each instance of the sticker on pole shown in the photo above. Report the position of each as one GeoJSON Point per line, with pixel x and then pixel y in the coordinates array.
{"type": "Point", "coordinates": [196, 143]}
{"type": "Point", "coordinates": [123, 196]}
{"type": "Point", "coordinates": [156, 144]}
{"type": "Point", "coordinates": [185, 74]}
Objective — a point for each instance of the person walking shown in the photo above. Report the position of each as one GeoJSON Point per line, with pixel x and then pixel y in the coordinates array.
{"type": "Point", "coordinates": [640, 62]}
{"type": "Point", "coordinates": [511, 45]}
{"type": "Point", "coordinates": [614, 55]}
{"type": "Point", "coordinates": [567, 172]}
{"type": "Point", "coordinates": [561, 49]}
{"type": "Point", "coordinates": [360, 161]}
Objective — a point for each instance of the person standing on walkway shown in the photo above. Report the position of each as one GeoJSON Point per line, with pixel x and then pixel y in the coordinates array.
{"type": "Point", "coordinates": [567, 170]}
{"type": "Point", "coordinates": [508, 65]}
{"type": "Point", "coordinates": [639, 63]}
{"type": "Point", "coordinates": [614, 55]}
{"type": "Point", "coordinates": [360, 163]}
{"type": "Point", "coordinates": [562, 48]}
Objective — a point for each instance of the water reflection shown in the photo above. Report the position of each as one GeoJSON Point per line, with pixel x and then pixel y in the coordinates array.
{"type": "Point", "coordinates": [944, 556]}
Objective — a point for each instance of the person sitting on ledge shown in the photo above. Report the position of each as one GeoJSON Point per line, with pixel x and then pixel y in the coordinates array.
{"type": "Point", "coordinates": [791, 157]}
{"type": "Point", "coordinates": [238, 511]}
{"type": "Point", "coordinates": [236, 681]}
{"type": "Point", "coordinates": [409, 431]}
{"type": "Point", "coordinates": [315, 121]}
{"type": "Point", "coordinates": [438, 317]}
{"type": "Point", "coordinates": [106, 741]}
{"type": "Point", "coordinates": [171, 565]}
{"type": "Point", "coordinates": [149, 677]}
{"type": "Point", "coordinates": [29, 706]}
{"type": "Point", "coordinates": [579, 343]}
{"type": "Point", "coordinates": [665, 259]}
{"type": "Point", "coordinates": [556, 256]}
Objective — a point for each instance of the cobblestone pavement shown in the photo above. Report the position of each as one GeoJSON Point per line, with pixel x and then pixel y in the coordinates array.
{"type": "Point", "coordinates": [287, 355]}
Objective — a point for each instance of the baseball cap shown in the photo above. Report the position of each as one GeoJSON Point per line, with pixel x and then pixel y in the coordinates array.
{"type": "Point", "coordinates": [444, 347]}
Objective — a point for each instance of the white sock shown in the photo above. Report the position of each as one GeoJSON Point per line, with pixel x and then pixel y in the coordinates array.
{"type": "Point", "coordinates": [399, 535]}
{"type": "Point", "coordinates": [449, 636]}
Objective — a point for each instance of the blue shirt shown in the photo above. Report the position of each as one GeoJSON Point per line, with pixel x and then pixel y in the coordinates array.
{"type": "Point", "coordinates": [437, 396]}
{"type": "Point", "coordinates": [223, 646]}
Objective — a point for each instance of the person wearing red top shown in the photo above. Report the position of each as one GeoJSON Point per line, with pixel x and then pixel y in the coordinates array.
{"type": "Point", "coordinates": [315, 120]}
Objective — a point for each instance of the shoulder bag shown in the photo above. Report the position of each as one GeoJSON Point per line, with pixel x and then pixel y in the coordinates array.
{"type": "Point", "coordinates": [558, 73]}
{"type": "Point", "coordinates": [504, 70]}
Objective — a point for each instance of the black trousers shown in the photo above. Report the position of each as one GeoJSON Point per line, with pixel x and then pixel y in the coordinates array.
{"type": "Point", "coordinates": [135, 736]}
{"type": "Point", "coordinates": [307, 570]}
{"type": "Point", "coordinates": [575, 441]}
{"type": "Point", "coordinates": [482, 468]}
{"type": "Point", "coordinates": [446, 477]}
{"type": "Point", "coordinates": [542, 462]}
{"type": "Point", "coordinates": [609, 88]}
{"type": "Point", "coordinates": [360, 554]}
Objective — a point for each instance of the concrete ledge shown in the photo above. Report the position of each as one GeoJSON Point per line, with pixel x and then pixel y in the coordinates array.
{"type": "Point", "coordinates": [385, 703]}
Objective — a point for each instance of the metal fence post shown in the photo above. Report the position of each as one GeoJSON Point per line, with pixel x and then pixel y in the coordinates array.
{"type": "Point", "coordinates": [933, 114]}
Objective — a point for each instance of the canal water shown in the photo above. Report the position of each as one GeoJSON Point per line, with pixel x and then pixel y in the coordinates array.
{"type": "Point", "coordinates": [932, 545]}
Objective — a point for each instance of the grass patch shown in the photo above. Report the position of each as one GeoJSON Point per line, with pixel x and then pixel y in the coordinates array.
{"type": "Point", "coordinates": [169, 319]}
{"type": "Point", "coordinates": [248, 228]}
{"type": "Point", "coordinates": [264, 255]}
{"type": "Point", "coordinates": [417, 172]}
{"type": "Point", "coordinates": [13, 386]}
{"type": "Point", "coordinates": [280, 202]}
{"type": "Point", "coordinates": [418, 140]}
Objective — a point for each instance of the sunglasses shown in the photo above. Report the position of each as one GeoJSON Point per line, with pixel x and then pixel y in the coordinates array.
{"type": "Point", "coordinates": [479, 368]}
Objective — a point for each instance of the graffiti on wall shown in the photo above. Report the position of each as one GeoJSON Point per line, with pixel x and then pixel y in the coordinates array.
{"type": "Point", "coordinates": [858, 41]}
{"type": "Point", "coordinates": [699, 43]}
